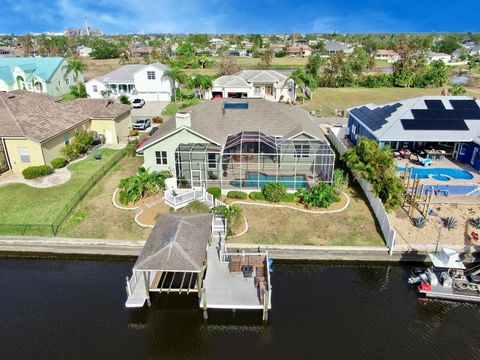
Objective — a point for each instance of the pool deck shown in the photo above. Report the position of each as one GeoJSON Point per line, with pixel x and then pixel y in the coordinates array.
{"type": "Point", "coordinates": [446, 163]}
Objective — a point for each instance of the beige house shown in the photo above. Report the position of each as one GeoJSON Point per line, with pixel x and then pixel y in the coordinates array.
{"type": "Point", "coordinates": [34, 127]}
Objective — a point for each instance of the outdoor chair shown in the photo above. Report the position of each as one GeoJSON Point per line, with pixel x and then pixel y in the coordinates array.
{"type": "Point", "coordinates": [212, 176]}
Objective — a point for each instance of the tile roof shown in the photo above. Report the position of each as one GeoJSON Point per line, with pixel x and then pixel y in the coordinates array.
{"type": "Point", "coordinates": [40, 117]}
{"type": "Point", "coordinates": [275, 119]}
{"type": "Point", "coordinates": [246, 77]}
{"type": "Point", "coordinates": [43, 67]}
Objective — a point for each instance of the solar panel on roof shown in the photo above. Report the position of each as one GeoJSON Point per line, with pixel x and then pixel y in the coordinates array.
{"type": "Point", "coordinates": [233, 105]}
{"type": "Point", "coordinates": [464, 104]}
{"type": "Point", "coordinates": [434, 104]}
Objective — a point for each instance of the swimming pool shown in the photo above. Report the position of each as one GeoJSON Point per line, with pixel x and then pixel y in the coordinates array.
{"type": "Point", "coordinates": [254, 179]}
{"type": "Point", "coordinates": [440, 174]}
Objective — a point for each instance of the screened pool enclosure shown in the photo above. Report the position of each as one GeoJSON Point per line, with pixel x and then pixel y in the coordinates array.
{"type": "Point", "coordinates": [249, 160]}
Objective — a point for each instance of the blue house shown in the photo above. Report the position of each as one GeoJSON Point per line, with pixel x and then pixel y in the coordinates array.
{"type": "Point", "coordinates": [451, 123]}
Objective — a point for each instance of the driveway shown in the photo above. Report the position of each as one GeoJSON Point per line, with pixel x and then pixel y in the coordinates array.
{"type": "Point", "coordinates": [149, 110]}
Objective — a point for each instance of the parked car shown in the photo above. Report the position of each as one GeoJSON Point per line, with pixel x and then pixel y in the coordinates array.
{"type": "Point", "coordinates": [141, 124]}
{"type": "Point", "coordinates": [141, 142]}
{"type": "Point", "coordinates": [138, 103]}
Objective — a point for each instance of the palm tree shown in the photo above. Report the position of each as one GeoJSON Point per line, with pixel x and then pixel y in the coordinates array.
{"type": "Point", "coordinates": [177, 76]}
{"type": "Point", "coordinates": [76, 67]}
{"type": "Point", "coordinates": [201, 83]}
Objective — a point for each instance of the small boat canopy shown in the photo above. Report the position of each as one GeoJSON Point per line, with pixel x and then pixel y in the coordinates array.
{"type": "Point", "coordinates": [447, 258]}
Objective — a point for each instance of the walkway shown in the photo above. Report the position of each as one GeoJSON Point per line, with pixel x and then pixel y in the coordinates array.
{"type": "Point", "coordinates": [59, 177]}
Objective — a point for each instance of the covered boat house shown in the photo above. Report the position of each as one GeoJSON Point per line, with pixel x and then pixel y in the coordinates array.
{"type": "Point", "coordinates": [186, 254]}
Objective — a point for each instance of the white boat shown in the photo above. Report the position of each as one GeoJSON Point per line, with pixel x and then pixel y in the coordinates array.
{"type": "Point", "coordinates": [448, 278]}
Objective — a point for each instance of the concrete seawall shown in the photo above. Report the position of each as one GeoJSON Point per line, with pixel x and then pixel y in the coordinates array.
{"type": "Point", "coordinates": [21, 246]}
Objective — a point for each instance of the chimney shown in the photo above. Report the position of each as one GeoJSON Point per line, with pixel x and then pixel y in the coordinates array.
{"type": "Point", "coordinates": [182, 119]}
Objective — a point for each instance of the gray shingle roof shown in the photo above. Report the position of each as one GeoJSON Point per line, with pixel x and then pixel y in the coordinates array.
{"type": "Point", "coordinates": [246, 77]}
{"type": "Point", "coordinates": [275, 119]}
{"type": "Point", "coordinates": [125, 73]}
{"type": "Point", "coordinates": [178, 242]}
{"type": "Point", "coordinates": [40, 117]}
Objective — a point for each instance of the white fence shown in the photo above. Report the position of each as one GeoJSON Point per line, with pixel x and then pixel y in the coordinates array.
{"type": "Point", "coordinates": [335, 135]}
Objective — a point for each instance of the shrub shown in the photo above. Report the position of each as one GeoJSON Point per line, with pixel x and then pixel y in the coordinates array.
{"type": "Point", "coordinates": [157, 120]}
{"type": "Point", "coordinates": [135, 187]}
{"type": "Point", "coordinates": [131, 148]}
{"type": "Point", "coordinates": [257, 195]}
{"type": "Point", "coordinates": [236, 195]}
{"type": "Point", "coordinates": [58, 163]}
{"type": "Point", "coordinates": [450, 222]}
{"type": "Point", "coordinates": [319, 195]}
{"type": "Point", "coordinates": [289, 197]}
{"type": "Point", "coordinates": [274, 192]}
{"type": "Point", "coordinates": [124, 99]}
{"type": "Point", "coordinates": [475, 222]}
{"type": "Point", "coordinates": [33, 172]}
{"type": "Point", "coordinates": [133, 132]}
{"type": "Point", "coordinates": [340, 181]}
{"type": "Point", "coordinates": [81, 143]}
{"type": "Point", "coordinates": [419, 222]}
{"type": "Point", "coordinates": [216, 192]}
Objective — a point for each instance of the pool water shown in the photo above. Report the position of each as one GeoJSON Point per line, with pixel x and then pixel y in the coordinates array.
{"type": "Point", "coordinates": [440, 174]}
{"type": "Point", "coordinates": [254, 179]}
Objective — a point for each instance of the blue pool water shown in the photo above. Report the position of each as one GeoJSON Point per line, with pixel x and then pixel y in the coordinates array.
{"type": "Point", "coordinates": [254, 179]}
{"type": "Point", "coordinates": [440, 174]}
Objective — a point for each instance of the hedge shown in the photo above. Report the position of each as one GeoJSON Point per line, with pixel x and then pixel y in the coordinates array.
{"type": "Point", "coordinates": [257, 195]}
{"type": "Point", "coordinates": [33, 172]}
{"type": "Point", "coordinates": [216, 192]}
{"type": "Point", "coordinates": [236, 195]}
{"type": "Point", "coordinates": [58, 163]}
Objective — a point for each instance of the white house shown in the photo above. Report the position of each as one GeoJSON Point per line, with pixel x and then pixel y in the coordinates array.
{"type": "Point", "coordinates": [84, 51]}
{"type": "Point", "coordinates": [389, 55]}
{"type": "Point", "coordinates": [260, 84]}
{"type": "Point", "coordinates": [434, 56]}
{"type": "Point", "coordinates": [146, 82]}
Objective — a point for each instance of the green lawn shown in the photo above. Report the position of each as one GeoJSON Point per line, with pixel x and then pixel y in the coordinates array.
{"type": "Point", "coordinates": [326, 100]}
{"type": "Point", "coordinates": [172, 108]}
{"type": "Point", "coordinates": [22, 204]}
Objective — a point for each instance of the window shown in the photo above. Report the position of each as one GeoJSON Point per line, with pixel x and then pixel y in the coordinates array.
{"type": "Point", "coordinates": [151, 75]}
{"type": "Point", "coordinates": [66, 138]}
{"type": "Point", "coordinates": [212, 161]}
{"type": "Point", "coordinates": [95, 88]}
{"type": "Point", "coordinates": [59, 83]}
{"type": "Point", "coordinates": [24, 154]}
{"type": "Point", "coordinates": [161, 157]}
{"type": "Point", "coordinates": [67, 81]}
{"type": "Point", "coordinates": [302, 150]}
{"type": "Point", "coordinates": [257, 91]}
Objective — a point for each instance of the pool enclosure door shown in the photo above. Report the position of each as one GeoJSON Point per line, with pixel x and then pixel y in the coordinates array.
{"type": "Point", "coordinates": [474, 156]}
{"type": "Point", "coordinates": [196, 177]}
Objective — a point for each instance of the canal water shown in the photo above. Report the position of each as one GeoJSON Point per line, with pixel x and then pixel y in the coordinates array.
{"type": "Point", "coordinates": [65, 309]}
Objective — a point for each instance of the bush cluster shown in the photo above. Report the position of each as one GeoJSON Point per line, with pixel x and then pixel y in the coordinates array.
{"type": "Point", "coordinates": [157, 120]}
{"type": "Point", "coordinates": [59, 163]}
{"type": "Point", "coordinates": [33, 172]}
{"type": "Point", "coordinates": [81, 143]}
{"type": "Point", "coordinates": [274, 192]}
{"type": "Point", "coordinates": [257, 195]}
{"type": "Point", "coordinates": [216, 192]}
{"type": "Point", "coordinates": [133, 188]}
{"type": "Point", "coordinates": [236, 195]}
{"type": "Point", "coordinates": [133, 132]}
{"type": "Point", "coordinates": [319, 195]}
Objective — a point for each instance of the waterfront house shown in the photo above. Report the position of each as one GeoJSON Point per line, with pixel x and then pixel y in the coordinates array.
{"type": "Point", "coordinates": [146, 82]}
{"type": "Point", "coordinates": [255, 84]}
{"type": "Point", "coordinates": [84, 51]}
{"type": "Point", "coordinates": [241, 144]}
{"type": "Point", "coordinates": [434, 56]}
{"type": "Point", "coordinates": [34, 127]}
{"type": "Point", "coordinates": [299, 51]}
{"type": "Point", "coordinates": [43, 75]}
{"type": "Point", "coordinates": [450, 124]}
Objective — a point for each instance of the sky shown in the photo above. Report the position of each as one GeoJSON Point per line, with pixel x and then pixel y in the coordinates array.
{"type": "Point", "coordinates": [245, 16]}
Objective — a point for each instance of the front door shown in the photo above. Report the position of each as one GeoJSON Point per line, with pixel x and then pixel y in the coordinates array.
{"type": "Point", "coordinates": [269, 90]}
{"type": "Point", "coordinates": [196, 176]}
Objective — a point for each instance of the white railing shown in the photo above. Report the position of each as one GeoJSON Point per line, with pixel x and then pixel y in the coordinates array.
{"type": "Point", "coordinates": [132, 282]}
{"type": "Point", "coordinates": [177, 201]}
{"type": "Point", "coordinates": [335, 135]}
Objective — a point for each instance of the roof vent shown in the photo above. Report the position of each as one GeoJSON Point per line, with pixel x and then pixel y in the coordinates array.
{"type": "Point", "coordinates": [183, 119]}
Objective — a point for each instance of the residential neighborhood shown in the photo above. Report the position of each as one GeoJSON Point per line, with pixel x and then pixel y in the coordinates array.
{"type": "Point", "coordinates": [239, 180]}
